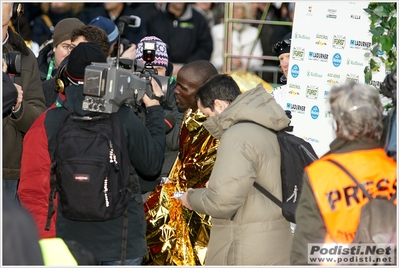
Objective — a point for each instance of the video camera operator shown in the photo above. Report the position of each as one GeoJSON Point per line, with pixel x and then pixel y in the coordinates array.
{"type": "Point", "coordinates": [144, 143]}
{"type": "Point", "coordinates": [156, 61]}
{"type": "Point", "coordinates": [389, 90]}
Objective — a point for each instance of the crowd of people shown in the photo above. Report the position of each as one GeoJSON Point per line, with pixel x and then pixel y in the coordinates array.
{"type": "Point", "coordinates": [191, 199]}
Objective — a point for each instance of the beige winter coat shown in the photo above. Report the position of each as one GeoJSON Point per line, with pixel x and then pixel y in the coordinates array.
{"type": "Point", "coordinates": [247, 228]}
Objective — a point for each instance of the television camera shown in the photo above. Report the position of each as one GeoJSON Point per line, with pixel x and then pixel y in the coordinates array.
{"type": "Point", "coordinates": [121, 81]}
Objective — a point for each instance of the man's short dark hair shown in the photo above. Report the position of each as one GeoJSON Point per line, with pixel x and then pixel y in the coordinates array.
{"type": "Point", "coordinates": [221, 87]}
{"type": "Point", "coordinates": [92, 34]}
{"type": "Point", "coordinates": [202, 69]}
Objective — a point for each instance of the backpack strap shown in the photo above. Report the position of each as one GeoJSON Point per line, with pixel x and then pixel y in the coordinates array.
{"type": "Point", "coordinates": [53, 180]}
{"type": "Point", "coordinates": [268, 194]}
{"type": "Point", "coordinates": [257, 185]}
{"type": "Point", "coordinates": [361, 187]}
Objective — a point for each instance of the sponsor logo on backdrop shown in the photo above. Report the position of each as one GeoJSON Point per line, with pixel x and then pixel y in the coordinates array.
{"type": "Point", "coordinates": [327, 114]}
{"type": "Point", "coordinates": [298, 53]}
{"type": "Point", "coordinates": [314, 112]}
{"type": "Point", "coordinates": [332, 81]}
{"type": "Point", "coordinates": [310, 139]}
{"type": "Point", "coordinates": [320, 43]}
{"type": "Point", "coordinates": [326, 94]}
{"type": "Point", "coordinates": [332, 75]}
{"type": "Point", "coordinates": [331, 13]}
{"type": "Point", "coordinates": [312, 92]}
{"type": "Point", "coordinates": [313, 74]}
{"type": "Point", "coordinates": [294, 86]}
{"type": "Point", "coordinates": [339, 41]}
{"type": "Point", "coordinates": [352, 77]}
{"type": "Point", "coordinates": [353, 62]}
{"type": "Point", "coordinates": [295, 71]}
{"type": "Point", "coordinates": [355, 17]}
{"type": "Point", "coordinates": [293, 92]}
{"type": "Point", "coordinates": [296, 108]}
{"type": "Point", "coordinates": [322, 36]}
{"type": "Point", "coordinates": [337, 59]}
{"type": "Point", "coordinates": [357, 44]}
{"type": "Point", "coordinates": [294, 89]}
{"type": "Point", "coordinates": [318, 56]}
{"type": "Point", "coordinates": [309, 13]}
{"type": "Point", "coordinates": [301, 36]}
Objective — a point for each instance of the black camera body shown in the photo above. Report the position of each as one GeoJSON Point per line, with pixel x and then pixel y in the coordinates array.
{"type": "Point", "coordinates": [108, 85]}
{"type": "Point", "coordinates": [14, 62]}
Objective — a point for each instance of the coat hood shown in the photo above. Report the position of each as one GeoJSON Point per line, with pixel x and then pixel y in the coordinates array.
{"type": "Point", "coordinates": [255, 105]}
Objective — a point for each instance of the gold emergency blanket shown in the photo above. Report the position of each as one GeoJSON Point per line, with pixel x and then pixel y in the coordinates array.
{"type": "Point", "coordinates": [247, 81]}
{"type": "Point", "coordinates": [176, 235]}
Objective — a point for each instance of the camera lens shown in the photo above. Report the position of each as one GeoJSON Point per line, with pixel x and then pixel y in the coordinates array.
{"type": "Point", "coordinates": [13, 61]}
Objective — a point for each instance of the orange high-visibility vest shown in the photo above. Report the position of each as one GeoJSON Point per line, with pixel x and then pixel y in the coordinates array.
{"type": "Point", "coordinates": [339, 199]}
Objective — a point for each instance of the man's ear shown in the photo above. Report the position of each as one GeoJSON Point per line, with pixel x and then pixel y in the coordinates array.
{"type": "Point", "coordinates": [220, 105]}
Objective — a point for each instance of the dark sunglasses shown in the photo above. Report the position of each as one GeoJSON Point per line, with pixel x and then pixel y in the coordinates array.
{"type": "Point", "coordinates": [281, 45]}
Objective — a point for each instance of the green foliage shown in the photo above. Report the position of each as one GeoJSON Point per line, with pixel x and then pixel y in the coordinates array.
{"type": "Point", "coordinates": [383, 24]}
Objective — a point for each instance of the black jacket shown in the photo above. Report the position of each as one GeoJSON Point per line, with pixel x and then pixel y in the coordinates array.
{"type": "Point", "coordinates": [134, 35]}
{"type": "Point", "coordinates": [188, 38]}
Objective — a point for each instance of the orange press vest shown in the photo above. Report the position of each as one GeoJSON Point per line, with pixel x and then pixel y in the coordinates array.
{"type": "Point", "coordinates": [339, 199]}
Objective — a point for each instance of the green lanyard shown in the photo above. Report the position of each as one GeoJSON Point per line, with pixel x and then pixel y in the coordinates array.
{"type": "Point", "coordinates": [50, 69]}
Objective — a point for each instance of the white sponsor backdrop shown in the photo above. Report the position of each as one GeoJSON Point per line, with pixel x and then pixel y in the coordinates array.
{"type": "Point", "coordinates": [329, 42]}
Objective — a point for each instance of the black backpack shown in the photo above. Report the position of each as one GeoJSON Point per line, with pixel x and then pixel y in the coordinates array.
{"type": "Point", "coordinates": [91, 167]}
{"type": "Point", "coordinates": [296, 154]}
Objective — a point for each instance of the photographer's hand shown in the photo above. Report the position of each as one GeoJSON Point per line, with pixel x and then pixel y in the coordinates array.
{"type": "Point", "coordinates": [20, 97]}
{"type": "Point", "coordinates": [130, 53]}
{"type": "Point", "coordinates": [157, 91]}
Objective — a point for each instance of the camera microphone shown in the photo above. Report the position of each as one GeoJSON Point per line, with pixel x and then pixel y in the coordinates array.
{"type": "Point", "coordinates": [170, 122]}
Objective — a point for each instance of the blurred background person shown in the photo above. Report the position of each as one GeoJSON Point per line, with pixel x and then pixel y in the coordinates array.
{"type": "Point", "coordinates": [282, 50]}
{"type": "Point", "coordinates": [269, 34]}
{"type": "Point", "coordinates": [244, 37]}
{"type": "Point", "coordinates": [52, 13]}
{"type": "Point", "coordinates": [213, 12]}
{"type": "Point", "coordinates": [185, 32]}
{"type": "Point", "coordinates": [114, 11]}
